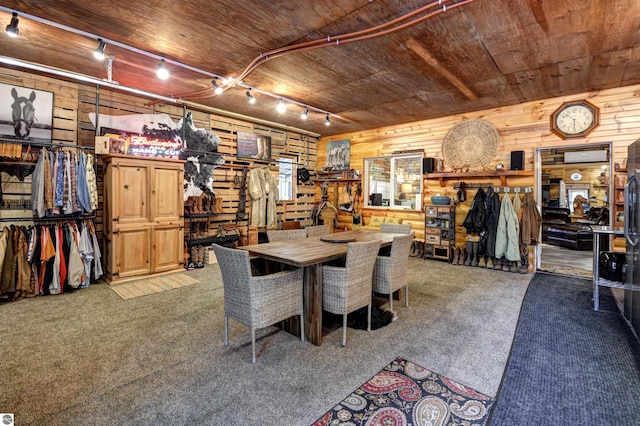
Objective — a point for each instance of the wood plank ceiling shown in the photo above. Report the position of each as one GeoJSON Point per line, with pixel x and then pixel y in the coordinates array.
{"type": "Point", "coordinates": [479, 55]}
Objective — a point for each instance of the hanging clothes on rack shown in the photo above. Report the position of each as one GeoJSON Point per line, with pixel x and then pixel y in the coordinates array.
{"type": "Point", "coordinates": [63, 183]}
{"type": "Point", "coordinates": [84, 201]}
{"type": "Point", "coordinates": [92, 182]}
{"type": "Point", "coordinates": [48, 258]}
{"type": "Point", "coordinates": [492, 215]}
{"type": "Point", "coordinates": [530, 222]}
{"type": "Point", "coordinates": [264, 192]}
{"type": "Point", "coordinates": [508, 232]}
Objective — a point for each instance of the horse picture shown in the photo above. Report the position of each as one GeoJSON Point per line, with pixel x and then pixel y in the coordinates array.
{"type": "Point", "coordinates": [25, 114]}
{"type": "Point", "coordinates": [338, 154]}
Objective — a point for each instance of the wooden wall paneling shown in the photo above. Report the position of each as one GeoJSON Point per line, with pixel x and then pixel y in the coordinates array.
{"type": "Point", "coordinates": [521, 127]}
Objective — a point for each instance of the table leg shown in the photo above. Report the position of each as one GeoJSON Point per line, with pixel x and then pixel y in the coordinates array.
{"type": "Point", "coordinates": [313, 303]}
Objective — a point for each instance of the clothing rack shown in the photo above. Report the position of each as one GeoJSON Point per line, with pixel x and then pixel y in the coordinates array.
{"type": "Point", "coordinates": [503, 189]}
{"type": "Point", "coordinates": [46, 220]}
{"type": "Point", "coordinates": [45, 144]}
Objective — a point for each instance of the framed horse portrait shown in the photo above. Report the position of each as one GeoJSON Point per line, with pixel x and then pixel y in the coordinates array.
{"type": "Point", "coordinates": [254, 146]}
{"type": "Point", "coordinates": [339, 154]}
{"type": "Point", "coordinates": [25, 114]}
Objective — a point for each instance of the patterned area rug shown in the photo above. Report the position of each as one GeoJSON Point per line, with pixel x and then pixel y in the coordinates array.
{"type": "Point", "coordinates": [404, 393]}
{"type": "Point", "coordinates": [154, 285]}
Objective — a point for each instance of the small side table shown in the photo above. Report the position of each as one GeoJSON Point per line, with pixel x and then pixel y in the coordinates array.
{"type": "Point", "coordinates": [598, 232]}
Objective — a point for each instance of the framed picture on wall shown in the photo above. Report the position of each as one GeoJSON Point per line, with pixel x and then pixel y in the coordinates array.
{"type": "Point", "coordinates": [254, 146]}
{"type": "Point", "coordinates": [339, 154]}
{"type": "Point", "coordinates": [25, 113]}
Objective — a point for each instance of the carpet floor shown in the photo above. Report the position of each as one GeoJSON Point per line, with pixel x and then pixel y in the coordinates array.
{"type": "Point", "coordinates": [403, 393]}
{"type": "Point", "coordinates": [92, 358]}
{"type": "Point", "coordinates": [570, 365]}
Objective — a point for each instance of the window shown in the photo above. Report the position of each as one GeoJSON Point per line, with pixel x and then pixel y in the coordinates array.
{"type": "Point", "coordinates": [285, 178]}
{"type": "Point", "coordinates": [394, 182]}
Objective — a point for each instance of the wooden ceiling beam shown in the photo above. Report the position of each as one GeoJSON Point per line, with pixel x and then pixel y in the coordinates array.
{"type": "Point", "coordinates": [419, 50]}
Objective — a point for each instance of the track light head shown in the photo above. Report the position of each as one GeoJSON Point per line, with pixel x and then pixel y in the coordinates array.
{"type": "Point", "coordinates": [327, 122]}
{"type": "Point", "coordinates": [162, 72]}
{"type": "Point", "coordinates": [99, 52]}
{"type": "Point", "coordinates": [282, 107]}
{"type": "Point", "coordinates": [250, 98]}
{"type": "Point", "coordinates": [305, 113]}
{"type": "Point", "coordinates": [217, 89]}
{"type": "Point", "coordinates": [12, 29]}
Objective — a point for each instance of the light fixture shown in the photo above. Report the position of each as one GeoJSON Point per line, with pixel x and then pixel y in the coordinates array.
{"type": "Point", "coordinates": [305, 113]}
{"type": "Point", "coordinates": [12, 29]}
{"type": "Point", "coordinates": [327, 122]}
{"type": "Point", "coordinates": [217, 89]}
{"type": "Point", "coordinates": [99, 52]}
{"type": "Point", "coordinates": [282, 107]}
{"type": "Point", "coordinates": [250, 98]}
{"type": "Point", "coordinates": [163, 72]}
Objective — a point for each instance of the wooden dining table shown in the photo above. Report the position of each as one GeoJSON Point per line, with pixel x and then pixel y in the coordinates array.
{"type": "Point", "coordinates": [310, 254]}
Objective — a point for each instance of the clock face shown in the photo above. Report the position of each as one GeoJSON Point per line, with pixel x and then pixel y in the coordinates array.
{"type": "Point", "coordinates": [574, 119]}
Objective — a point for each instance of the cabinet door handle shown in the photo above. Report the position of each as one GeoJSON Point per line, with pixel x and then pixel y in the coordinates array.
{"type": "Point", "coordinates": [126, 187]}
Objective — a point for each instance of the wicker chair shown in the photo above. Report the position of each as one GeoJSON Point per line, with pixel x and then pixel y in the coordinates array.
{"type": "Point", "coordinates": [394, 228]}
{"type": "Point", "coordinates": [390, 272]}
{"type": "Point", "coordinates": [348, 288]}
{"type": "Point", "coordinates": [287, 234]}
{"type": "Point", "coordinates": [257, 301]}
{"type": "Point", "coordinates": [317, 230]}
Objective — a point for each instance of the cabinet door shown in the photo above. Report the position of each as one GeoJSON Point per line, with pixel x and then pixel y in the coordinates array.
{"type": "Point", "coordinates": [167, 248]}
{"type": "Point", "coordinates": [131, 183]}
{"type": "Point", "coordinates": [166, 194]}
{"type": "Point", "coordinates": [131, 254]}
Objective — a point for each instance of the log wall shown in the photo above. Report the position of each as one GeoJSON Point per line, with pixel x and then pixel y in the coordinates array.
{"type": "Point", "coordinates": [71, 125]}
{"type": "Point", "coordinates": [524, 127]}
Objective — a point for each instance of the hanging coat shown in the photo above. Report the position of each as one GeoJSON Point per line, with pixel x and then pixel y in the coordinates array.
{"type": "Point", "coordinates": [475, 220]}
{"type": "Point", "coordinates": [273, 196]}
{"type": "Point", "coordinates": [492, 213]}
{"type": "Point", "coordinates": [258, 198]}
{"type": "Point", "coordinates": [508, 232]}
{"type": "Point", "coordinates": [530, 222]}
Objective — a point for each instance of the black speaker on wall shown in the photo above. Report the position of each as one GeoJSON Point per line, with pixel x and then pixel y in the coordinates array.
{"type": "Point", "coordinates": [517, 160]}
{"type": "Point", "coordinates": [428, 165]}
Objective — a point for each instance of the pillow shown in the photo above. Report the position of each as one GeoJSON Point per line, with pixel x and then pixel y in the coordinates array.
{"type": "Point", "coordinates": [393, 220]}
{"type": "Point", "coordinates": [376, 221]}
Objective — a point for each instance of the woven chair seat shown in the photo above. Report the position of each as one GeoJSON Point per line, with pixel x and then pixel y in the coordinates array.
{"type": "Point", "coordinates": [257, 301]}
{"type": "Point", "coordinates": [346, 289]}
{"type": "Point", "coordinates": [391, 272]}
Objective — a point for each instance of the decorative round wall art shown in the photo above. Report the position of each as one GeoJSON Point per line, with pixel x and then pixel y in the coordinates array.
{"type": "Point", "coordinates": [471, 144]}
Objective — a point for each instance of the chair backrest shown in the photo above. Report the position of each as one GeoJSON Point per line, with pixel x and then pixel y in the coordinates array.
{"type": "Point", "coordinates": [394, 228]}
{"type": "Point", "coordinates": [361, 258]}
{"type": "Point", "coordinates": [236, 275]}
{"type": "Point", "coordinates": [317, 230]}
{"type": "Point", "coordinates": [400, 249]}
{"type": "Point", "coordinates": [288, 234]}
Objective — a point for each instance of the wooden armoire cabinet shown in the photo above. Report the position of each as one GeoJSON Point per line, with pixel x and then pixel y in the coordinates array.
{"type": "Point", "coordinates": [143, 217]}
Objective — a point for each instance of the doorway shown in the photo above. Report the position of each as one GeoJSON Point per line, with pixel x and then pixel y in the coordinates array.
{"type": "Point", "coordinates": [573, 191]}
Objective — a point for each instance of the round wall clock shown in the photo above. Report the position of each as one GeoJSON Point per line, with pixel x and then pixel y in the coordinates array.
{"type": "Point", "coordinates": [575, 119]}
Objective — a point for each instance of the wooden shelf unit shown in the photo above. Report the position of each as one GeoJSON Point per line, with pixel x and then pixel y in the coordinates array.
{"type": "Point", "coordinates": [617, 206]}
{"type": "Point", "coordinates": [502, 174]}
{"type": "Point", "coordinates": [439, 231]}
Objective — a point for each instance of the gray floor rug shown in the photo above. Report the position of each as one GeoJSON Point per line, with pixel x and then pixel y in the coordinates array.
{"type": "Point", "coordinates": [92, 358]}
{"type": "Point", "coordinates": [569, 365]}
